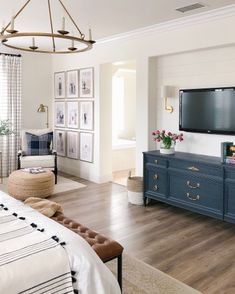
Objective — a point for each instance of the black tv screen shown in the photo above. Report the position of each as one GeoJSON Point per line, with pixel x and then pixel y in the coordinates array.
{"type": "Point", "coordinates": [208, 110]}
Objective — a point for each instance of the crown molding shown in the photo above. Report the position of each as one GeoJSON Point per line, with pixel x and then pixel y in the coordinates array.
{"type": "Point", "coordinates": [199, 18]}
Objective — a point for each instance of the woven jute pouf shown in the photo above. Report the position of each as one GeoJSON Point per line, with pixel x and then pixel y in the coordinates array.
{"type": "Point", "coordinates": [22, 185]}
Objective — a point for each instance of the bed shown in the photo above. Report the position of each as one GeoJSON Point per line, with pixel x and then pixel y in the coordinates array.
{"type": "Point", "coordinates": [92, 276]}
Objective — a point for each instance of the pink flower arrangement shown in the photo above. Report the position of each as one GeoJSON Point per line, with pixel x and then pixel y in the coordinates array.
{"type": "Point", "coordinates": [167, 138]}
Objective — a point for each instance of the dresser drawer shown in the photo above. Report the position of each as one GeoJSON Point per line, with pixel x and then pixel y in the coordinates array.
{"type": "Point", "coordinates": [230, 172]}
{"type": "Point", "coordinates": [156, 181]}
{"type": "Point", "coordinates": [196, 190]}
{"type": "Point", "coordinates": [156, 160]}
{"type": "Point", "coordinates": [229, 209]}
{"type": "Point", "coordinates": [196, 167]}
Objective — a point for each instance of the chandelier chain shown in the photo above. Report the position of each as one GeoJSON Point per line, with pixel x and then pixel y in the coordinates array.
{"type": "Point", "coordinates": [66, 10]}
{"type": "Point", "coordinates": [51, 24]}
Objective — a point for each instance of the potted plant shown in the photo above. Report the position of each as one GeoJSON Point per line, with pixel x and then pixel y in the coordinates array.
{"type": "Point", "coordinates": [5, 127]}
{"type": "Point", "coordinates": [167, 139]}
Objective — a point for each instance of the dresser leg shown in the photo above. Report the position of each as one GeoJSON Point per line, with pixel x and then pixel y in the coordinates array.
{"type": "Point", "coordinates": [145, 201]}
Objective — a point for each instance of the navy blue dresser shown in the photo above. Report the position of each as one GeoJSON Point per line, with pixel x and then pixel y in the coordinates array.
{"type": "Point", "coordinates": [195, 182]}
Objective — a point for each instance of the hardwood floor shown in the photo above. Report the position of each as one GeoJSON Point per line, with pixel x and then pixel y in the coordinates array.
{"type": "Point", "coordinates": [195, 249]}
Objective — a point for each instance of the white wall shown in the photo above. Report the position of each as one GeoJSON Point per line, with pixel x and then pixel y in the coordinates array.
{"type": "Point", "coordinates": [198, 69]}
{"type": "Point", "coordinates": [36, 89]}
{"type": "Point", "coordinates": [127, 71]}
{"type": "Point", "coordinates": [123, 159]}
{"type": "Point", "coordinates": [217, 32]}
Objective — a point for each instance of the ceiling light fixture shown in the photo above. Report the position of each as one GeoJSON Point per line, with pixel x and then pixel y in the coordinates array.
{"type": "Point", "coordinates": [9, 34]}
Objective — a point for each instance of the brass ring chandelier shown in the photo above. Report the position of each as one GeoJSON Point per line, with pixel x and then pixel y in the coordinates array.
{"type": "Point", "coordinates": [9, 33]}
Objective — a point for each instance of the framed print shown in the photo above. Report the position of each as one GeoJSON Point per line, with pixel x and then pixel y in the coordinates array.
{"type": "Point", "coordinates": [60, 142]}
{"type": "Point", "coordinates": [86, 85]}
{"type": "Point", "coordinates": [59, 114]}
{"type": "Point", "coordinates": [86, 147]}
{"type": "Point", "coordinates": [59, 84]}
{"type": "Point", "coordinates": [72, 84]}
{"type": "Point", "coordinates": [86, 115]}
{"type": "Point", "coordinates": [72, 145]}
{"type": "Point", "coordinates": [72, 114]}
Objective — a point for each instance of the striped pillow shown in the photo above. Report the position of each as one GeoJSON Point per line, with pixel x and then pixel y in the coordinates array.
{"type": "Point", "coordinates": [38, 145]}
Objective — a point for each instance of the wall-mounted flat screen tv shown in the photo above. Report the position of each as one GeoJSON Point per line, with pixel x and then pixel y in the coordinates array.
{"type": "Point", "coordinates": [207, 110]}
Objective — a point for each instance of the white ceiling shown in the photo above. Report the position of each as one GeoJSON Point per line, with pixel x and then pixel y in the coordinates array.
{"type": "Point", "coordinates": [106, 17]}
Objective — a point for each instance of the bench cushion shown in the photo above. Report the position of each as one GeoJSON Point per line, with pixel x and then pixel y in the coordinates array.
{"type": "Point", "coordinates": [106, 249]}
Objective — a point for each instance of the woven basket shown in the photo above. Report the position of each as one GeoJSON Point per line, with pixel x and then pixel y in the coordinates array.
{"type": "Point", "coordinates": [135, 184]}
{"type": "Point", "coordinates": [135, 189]}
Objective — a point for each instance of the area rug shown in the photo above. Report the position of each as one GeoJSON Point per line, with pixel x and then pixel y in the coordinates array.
{"type": "Point", "coordinates": [141, 278]}
{"type": "Point", "coordinates": [63, 185]}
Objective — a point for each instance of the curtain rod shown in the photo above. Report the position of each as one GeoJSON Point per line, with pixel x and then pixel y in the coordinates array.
{"type": "Point", "coordinates": [8, 54]}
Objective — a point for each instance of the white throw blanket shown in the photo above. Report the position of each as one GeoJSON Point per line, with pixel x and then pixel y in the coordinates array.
{"type": "Point", "coordinates": [24, 256]}
{"type": "Point", "coordinates": [93, 277]}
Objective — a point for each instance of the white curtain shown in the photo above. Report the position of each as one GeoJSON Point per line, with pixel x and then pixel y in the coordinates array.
{"type": "Point", "coordinates": [10, 108]}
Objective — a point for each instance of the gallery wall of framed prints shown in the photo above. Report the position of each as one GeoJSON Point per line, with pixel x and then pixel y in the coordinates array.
{"type": "Point", "coordinates": [74, 113]}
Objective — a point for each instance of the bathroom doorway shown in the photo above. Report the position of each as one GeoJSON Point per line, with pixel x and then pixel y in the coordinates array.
{"type": "Point", "coordinates": [123, 120]}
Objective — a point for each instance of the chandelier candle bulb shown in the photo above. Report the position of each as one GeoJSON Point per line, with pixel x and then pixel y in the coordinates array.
{"type": "Point", "coordinates": [33, 42]}
{"type": "Point", "coordinates": [63, 23]}
{"type": "Point", "coordinates": [90, 35]}
{"type": "Point", "coordinates": [12, 23]}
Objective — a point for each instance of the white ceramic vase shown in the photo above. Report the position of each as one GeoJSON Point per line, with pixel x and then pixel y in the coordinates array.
{"type": "Point", "coordinates": [168, 151]}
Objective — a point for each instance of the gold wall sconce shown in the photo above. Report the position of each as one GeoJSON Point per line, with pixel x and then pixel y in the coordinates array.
{"type": "Point", "coordinates": [44, 108]}
{"type": "Point", "coordinates": [166, 92]}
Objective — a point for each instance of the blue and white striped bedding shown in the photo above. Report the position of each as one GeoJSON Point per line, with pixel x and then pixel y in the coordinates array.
{"type": "Point", "coordinates": [32, 262]}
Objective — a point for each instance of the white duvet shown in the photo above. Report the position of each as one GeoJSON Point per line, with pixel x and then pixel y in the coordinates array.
{"type": "Point", "coordinates": [93, 277]}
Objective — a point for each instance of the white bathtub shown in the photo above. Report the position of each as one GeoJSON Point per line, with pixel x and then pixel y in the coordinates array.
{"type": "Point", "coordinates": [123, 155]}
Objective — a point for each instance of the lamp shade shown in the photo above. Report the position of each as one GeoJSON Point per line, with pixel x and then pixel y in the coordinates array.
{"type": "Point", "coordinates": [166, 91]}
{"type": "Point", "coordinates": [41, 108]}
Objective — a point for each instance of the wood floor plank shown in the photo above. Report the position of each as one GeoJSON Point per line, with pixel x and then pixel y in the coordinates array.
{"type": "Point", "coordinates": [192, 248]}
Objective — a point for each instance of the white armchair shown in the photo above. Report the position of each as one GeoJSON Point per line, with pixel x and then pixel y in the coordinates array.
{"type": "Point", "coordinates": [37, 150]}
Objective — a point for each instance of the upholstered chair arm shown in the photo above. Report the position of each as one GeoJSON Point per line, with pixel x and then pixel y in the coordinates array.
{"type": "Point", "coordinates": [55, 167]}
{"type": "Point", "coordinates": [53, 152]}
{"type": "Point", "coordinates": [20, 153]}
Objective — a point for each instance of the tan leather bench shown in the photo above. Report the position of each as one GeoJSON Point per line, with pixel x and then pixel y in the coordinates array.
{"type": "Point", "coordinates": [106, 249]}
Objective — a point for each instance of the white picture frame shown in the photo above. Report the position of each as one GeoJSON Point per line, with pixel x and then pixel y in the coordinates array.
{"type": "Point", "coordinates": [72, 114]}
{"type": "Point", "coordinates": [72, 84]}
{"type": "Point", "coordinates": [86, 82]}
{"type": "Point", "coordinates": [59, 113]}
{"type": "Point", "coordinates": [72, 144]}
{"type": "Point", "coordinates": [59, 85]}
{"type": "Point", "coordinates": [60, 142]}
{"type": "Point", "coordinates": [86, 147]}
{"type": "Point", "coordinates": [86, 117]}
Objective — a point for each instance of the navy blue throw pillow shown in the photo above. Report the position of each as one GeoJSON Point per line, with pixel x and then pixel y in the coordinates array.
{"type": "Point", "coordinates": [39, 145]}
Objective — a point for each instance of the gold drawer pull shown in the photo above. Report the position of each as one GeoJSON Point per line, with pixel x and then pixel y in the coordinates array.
{"type": "Point", "coordinates": [193, 168]}
{"type": "Point", "coordinates": [155, 177]}
{"type": "Point", "coordinates": [155, 188]}
{"type": "Point", "coordinates": [193, 186]}
{"type": "Point", "coordinates": [156, 161]}
{"type": "Point", "coordinates": [193, 198]}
